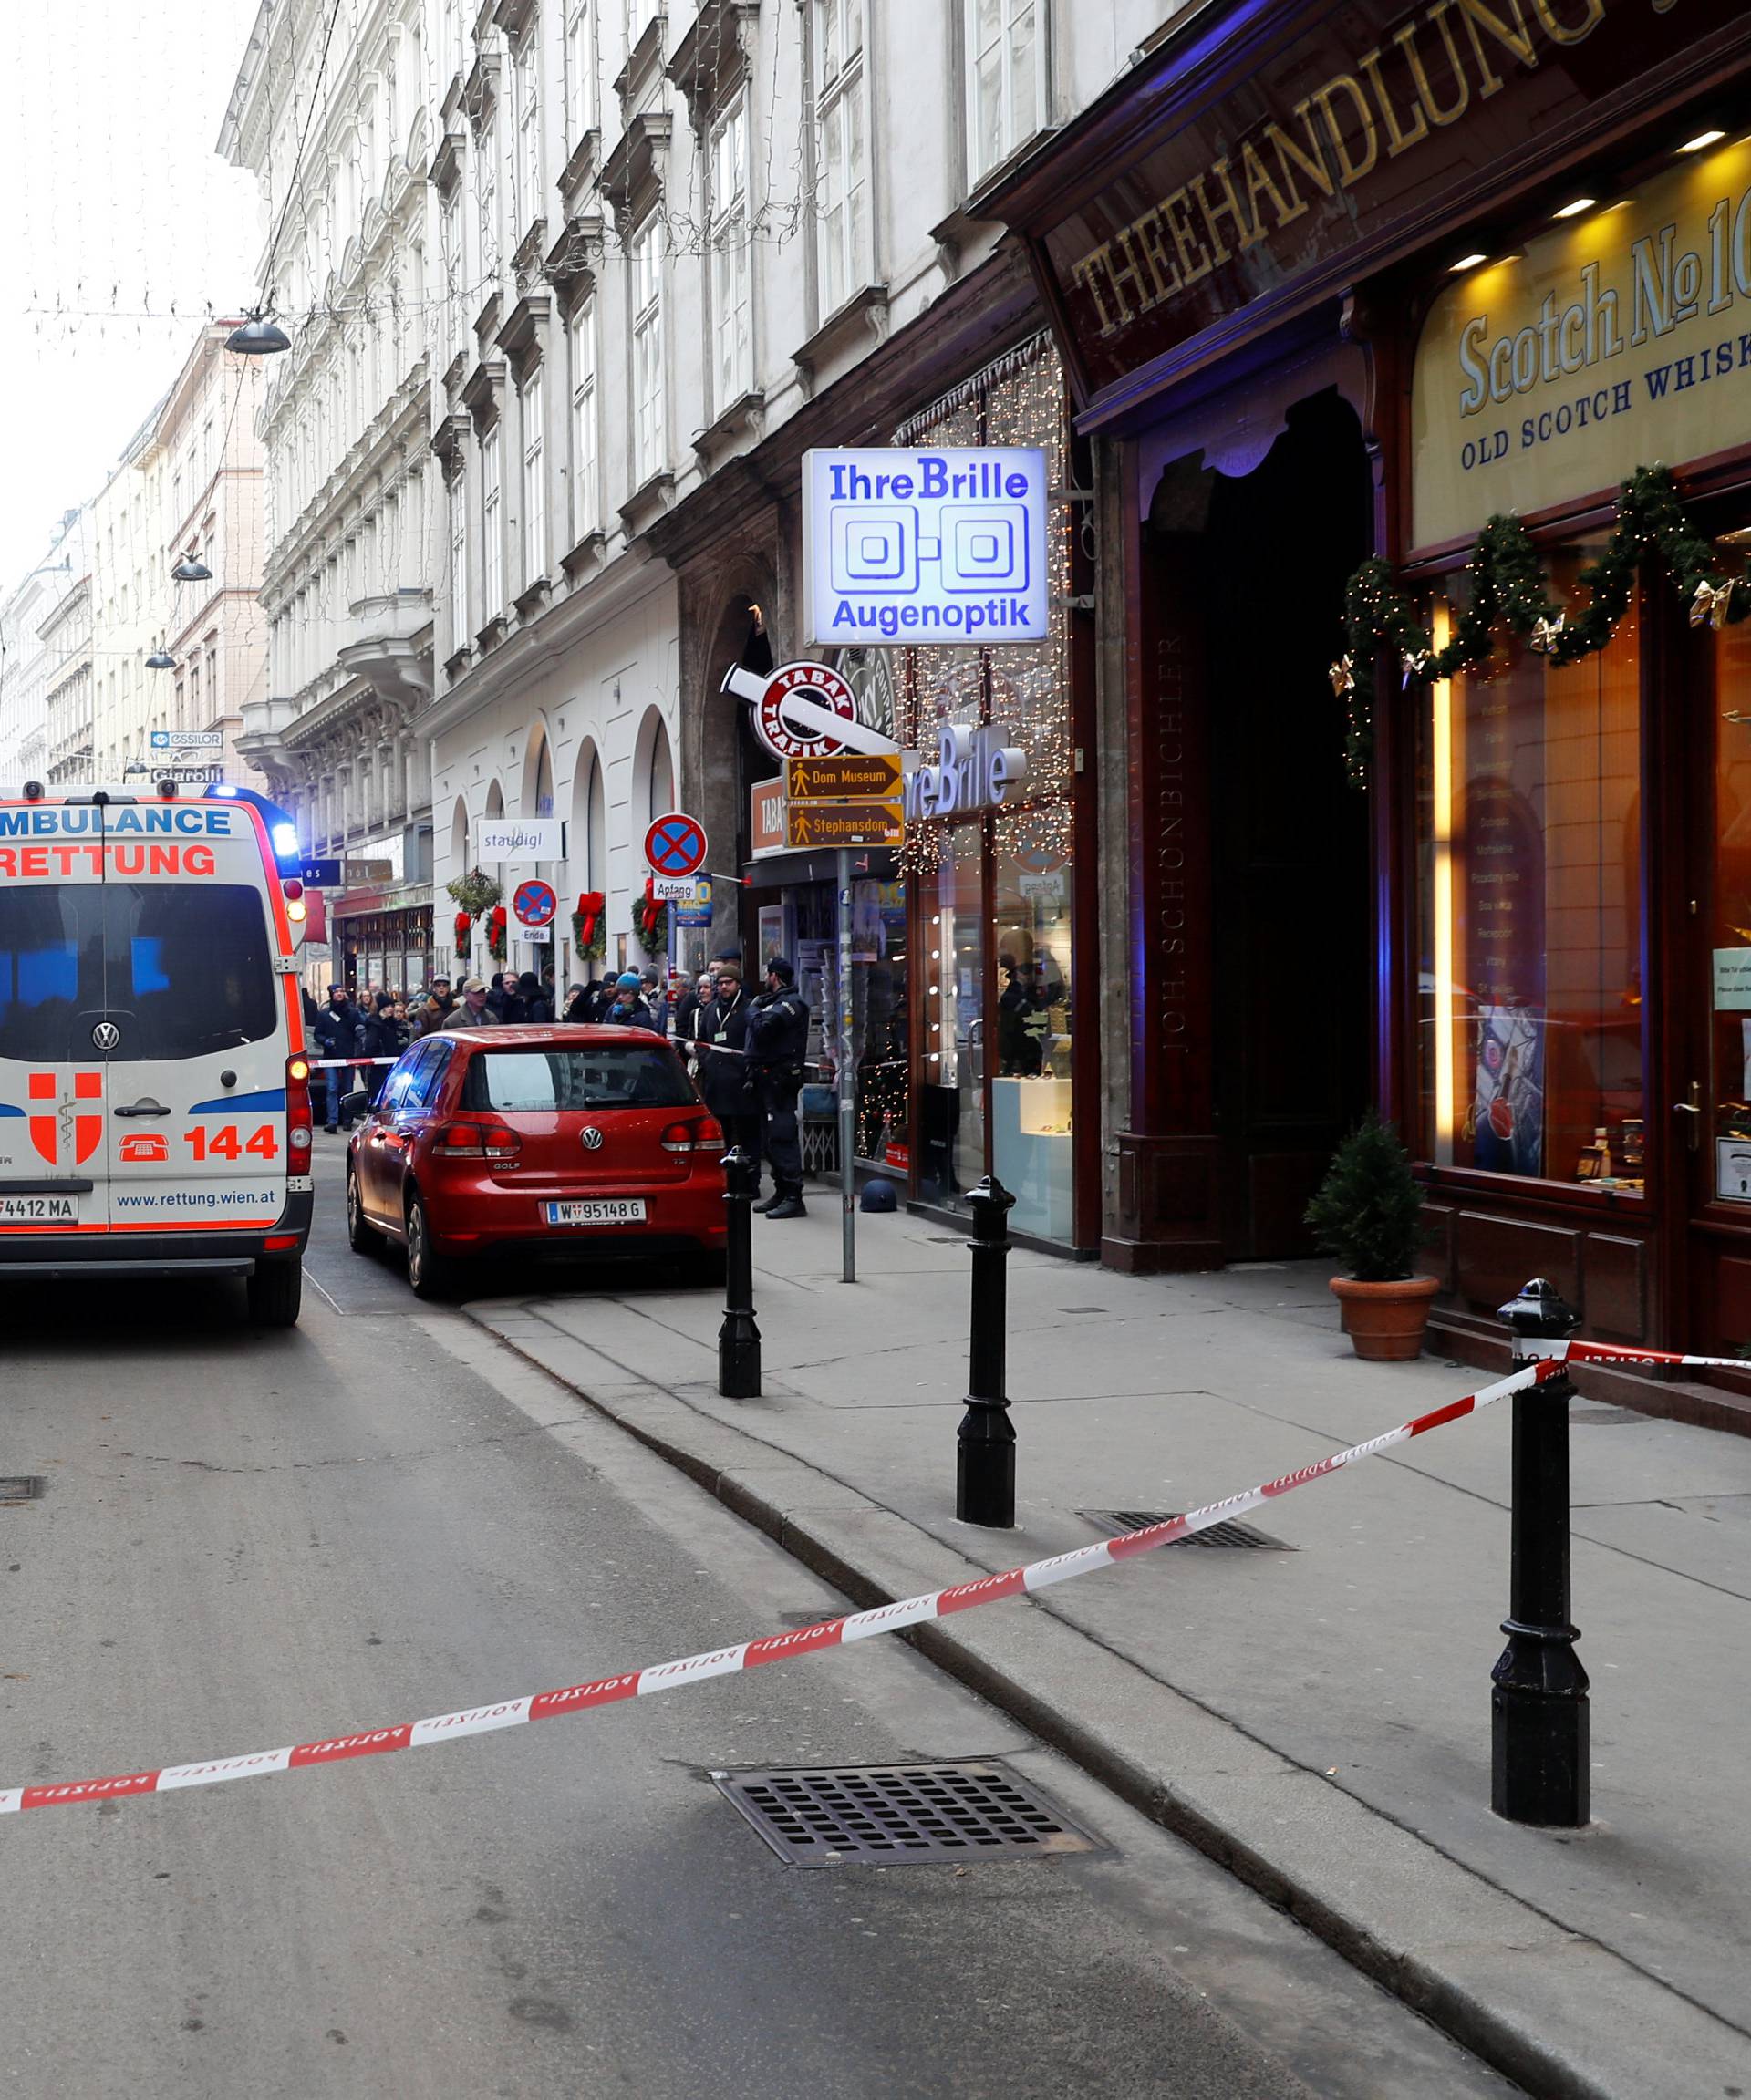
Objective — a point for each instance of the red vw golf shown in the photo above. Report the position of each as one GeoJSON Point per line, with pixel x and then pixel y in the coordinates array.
{"type": "Point", "coordinates": [577, 1141]}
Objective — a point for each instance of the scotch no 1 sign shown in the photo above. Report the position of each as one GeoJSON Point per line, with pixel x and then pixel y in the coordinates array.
{"type": "Point", "coordinates": [934, 546]}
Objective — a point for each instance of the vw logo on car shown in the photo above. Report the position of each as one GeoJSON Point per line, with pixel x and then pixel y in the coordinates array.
{"type": "Point", "coordinates": [590, 1138]}
{"type": "Point", "coordinates": [106, 1035]}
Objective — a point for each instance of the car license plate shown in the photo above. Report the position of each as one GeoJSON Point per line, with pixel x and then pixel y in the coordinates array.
{"type": "Point", "coordinates": [599, 1210]}
{"type": "Point", "coordinates": [38, 1210]}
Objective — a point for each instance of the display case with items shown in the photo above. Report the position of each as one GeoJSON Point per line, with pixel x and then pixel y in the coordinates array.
{"type": "Point", "coordinates": [1031, 1133]}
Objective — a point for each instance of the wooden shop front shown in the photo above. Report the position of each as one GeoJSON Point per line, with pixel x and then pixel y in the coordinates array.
{"type": "Point", "coordinates": [1464, 830]}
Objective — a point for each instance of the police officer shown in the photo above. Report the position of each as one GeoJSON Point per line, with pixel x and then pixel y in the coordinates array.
{"type": "Point", "coordinates": [778, 1041]}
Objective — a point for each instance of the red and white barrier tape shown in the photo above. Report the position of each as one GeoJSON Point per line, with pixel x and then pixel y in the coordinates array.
{"type": "Point", "coordinates": [749, 1654]}
{"type": "Point", "coordinates": [1621, 1352]}
{"type": "Point", "coordinates": [347, 1063]}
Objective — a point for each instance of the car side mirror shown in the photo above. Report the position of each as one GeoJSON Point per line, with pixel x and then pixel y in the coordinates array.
{"type": "Point", "coordinates": [355, 1103]}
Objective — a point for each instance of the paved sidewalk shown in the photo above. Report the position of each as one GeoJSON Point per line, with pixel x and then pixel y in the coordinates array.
{"type": "Point", "coordinates": [1317, 1717]}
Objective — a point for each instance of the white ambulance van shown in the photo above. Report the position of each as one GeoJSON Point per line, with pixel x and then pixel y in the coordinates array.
{"type": "Point", "coordinates": [154, 1086]}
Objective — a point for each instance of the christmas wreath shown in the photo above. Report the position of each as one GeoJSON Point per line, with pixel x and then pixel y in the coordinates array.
{"type": "Point", "coordinates": [495, 933]}
{"type": "Point", "coordinates": [650, 922]}
{"type": "Point", "coordinates": [475, 892]}
{"type": "Point", "coordinates": [1506, 589]}
{"type": "Point", "coordinates": [589, 931]}
{"type": "Point", "coordinates": [464, 927]}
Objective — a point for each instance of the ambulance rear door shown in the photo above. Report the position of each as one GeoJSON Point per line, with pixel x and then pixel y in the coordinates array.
{"type": "Point", "coordinates": [196, 1015]}
{"type": "Point", "coordinates": [53, 1113]}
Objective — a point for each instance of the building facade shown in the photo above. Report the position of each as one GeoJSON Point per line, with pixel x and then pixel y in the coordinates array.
{"type": "Point", "coordinates": [32, 650]}
{"type": "Point", "coordinates": [676, 250]}
{"type": "Point", "coordinates": [1425, 810]}
{"type": "Point", "coordinates": [69, 688]}
{"type": "Point", "coordinates": [336, 129]}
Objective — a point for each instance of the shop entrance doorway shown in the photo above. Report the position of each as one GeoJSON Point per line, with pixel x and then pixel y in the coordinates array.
{"type": "Point", "coordinates": [1293, 977]}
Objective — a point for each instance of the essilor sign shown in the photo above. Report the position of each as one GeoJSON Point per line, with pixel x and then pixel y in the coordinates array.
{"type": "Point", "coordinates": [974, 770]}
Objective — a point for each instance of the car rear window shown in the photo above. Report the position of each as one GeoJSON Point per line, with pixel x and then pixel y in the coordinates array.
{"type": "Point", "coordinates": [181, 971]}
{"type": "Point", "coordinates": [614, 1075]}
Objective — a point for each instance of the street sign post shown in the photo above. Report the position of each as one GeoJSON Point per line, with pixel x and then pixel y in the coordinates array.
{"type": "Point", "coordinates": [534, 905]}
{"type": "Point", "coordinates": [843, 824]}
{"type": "Point", "coordinates": [322, 874]}
{"type": "Point", "coordinates": [851, 777]}
{"type": "Point", "coordinates": [675, 845]}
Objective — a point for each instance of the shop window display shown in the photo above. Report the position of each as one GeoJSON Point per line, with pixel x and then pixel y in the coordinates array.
{"type": "Point", "coordinates": [1730, 932]}
{"type": "Point", "coordinates": [993, 886]}
{"type": "Point", "coordinates": [1529, 896]}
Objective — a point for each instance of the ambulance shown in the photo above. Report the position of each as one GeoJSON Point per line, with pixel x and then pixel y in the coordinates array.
{"type": "Point", "coordinates": [154, 1084]}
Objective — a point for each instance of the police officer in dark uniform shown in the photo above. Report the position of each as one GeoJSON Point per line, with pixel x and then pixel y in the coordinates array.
{"type": "Point", "coordinates": [778, 1042]}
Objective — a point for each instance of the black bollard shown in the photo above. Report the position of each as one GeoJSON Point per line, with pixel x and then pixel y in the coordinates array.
{"type": "Point", "coordinates": [738, 1337]}
{"type": "Point", "coordinates": [985, 1469]}
{"type": "Point", "coordinates": [1539, 1737]}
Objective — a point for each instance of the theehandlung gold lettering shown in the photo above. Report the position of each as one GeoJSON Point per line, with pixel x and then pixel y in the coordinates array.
{"type": "Point", "coordinates": [1350, 171]}
{"type": "Point", "coordinates": [1397, 137]}
{"type": "Point", "coordinates": [1518, 39]}
{"type": "Point", "coordinates": [1406, 39]}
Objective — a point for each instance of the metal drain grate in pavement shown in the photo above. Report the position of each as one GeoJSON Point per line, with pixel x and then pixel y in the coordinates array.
{"type": "Point", "coordinates": [22, 1487]}
{"type": "Point", "coordinates": [891, 1815]}
{"type": "Point", "coordinates": [1229, 1532]}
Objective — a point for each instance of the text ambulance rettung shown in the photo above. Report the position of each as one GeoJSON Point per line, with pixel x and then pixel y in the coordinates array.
{"type": "Point", "coordinates": [154, 1096]}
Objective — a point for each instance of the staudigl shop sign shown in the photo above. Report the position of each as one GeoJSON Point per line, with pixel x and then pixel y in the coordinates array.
{"type": "Point", "coordinates": [1314, 138]}
{"type": "Point", "coordinates": [1617, 339]}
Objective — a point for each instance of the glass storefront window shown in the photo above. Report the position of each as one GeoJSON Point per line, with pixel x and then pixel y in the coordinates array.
{"type": "Point", "coordinates": [1031, 1092]}
{"type": "Point", "coordinates": [1730, 931]}
{"type": "Point", "coordinates": [951, 973]}
{"type": "Point", "coordinates": [1529, 906]}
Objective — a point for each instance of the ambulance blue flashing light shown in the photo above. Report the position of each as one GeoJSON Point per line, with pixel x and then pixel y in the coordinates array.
{"type": "Point", "coordinates": [281, 833]}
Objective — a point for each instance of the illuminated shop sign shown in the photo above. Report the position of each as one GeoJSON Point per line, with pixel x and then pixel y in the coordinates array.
{"type": "Point", "coordinates": [974, 770]}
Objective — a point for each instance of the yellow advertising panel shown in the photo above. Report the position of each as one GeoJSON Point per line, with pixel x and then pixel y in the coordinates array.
{"type": "Point", "coordinates": [1620, 339]}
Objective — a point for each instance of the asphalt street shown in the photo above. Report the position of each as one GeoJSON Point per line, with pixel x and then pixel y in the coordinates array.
{"type": "Point", "coordinates": [245, 1540]}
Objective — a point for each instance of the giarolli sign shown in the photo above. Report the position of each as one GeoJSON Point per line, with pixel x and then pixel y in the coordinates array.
{"type": "Point", "coordinates": [974, 770]}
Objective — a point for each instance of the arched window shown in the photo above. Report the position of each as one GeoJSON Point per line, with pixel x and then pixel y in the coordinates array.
{"type": "Point", "coordinates": [538, 773]}
{"type": "Point", "coordinates": [589, 840]}
{"type": "Point", "coordinates": [654, 771]}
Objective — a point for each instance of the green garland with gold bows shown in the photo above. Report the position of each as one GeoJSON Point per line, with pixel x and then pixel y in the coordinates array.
{"type": "Point", "coordinates": [1506, 589]}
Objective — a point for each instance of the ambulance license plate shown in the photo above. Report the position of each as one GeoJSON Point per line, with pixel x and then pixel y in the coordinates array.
{"type": "Point", "coordinates": [599, 1210]}
{"type": "Point", "coordinates": [38, 1210]}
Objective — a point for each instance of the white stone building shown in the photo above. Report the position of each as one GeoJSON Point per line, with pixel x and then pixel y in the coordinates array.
{"type": "Point", "coordinates": [132, 604]}
{"type": "Point", "coordinates": [674, 247]}
{"type": "Point", "coordinates": [31, 652]}
{"type": "Point", "coordinates": [335, 130]}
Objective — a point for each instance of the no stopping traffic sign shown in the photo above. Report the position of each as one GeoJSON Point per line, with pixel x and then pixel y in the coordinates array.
{"type": "Point", "coordinates": [534, 903]}
{"type": "Point", "coordinates": [675, 845]}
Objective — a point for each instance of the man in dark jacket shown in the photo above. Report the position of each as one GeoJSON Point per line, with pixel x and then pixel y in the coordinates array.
{"type": "Point", "coordinates": [535, 1004]}
{"type": "Point", "coordinates": [719, 1026]}
{"type": "Point", "coordinates": [378, 1035]}
{"type": "Point", "coordinates": [336, 1026]}
{"type": "Point", "coordinates": [778, 1042]}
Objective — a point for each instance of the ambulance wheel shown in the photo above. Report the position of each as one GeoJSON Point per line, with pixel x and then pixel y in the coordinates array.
{"type": "Point", "coordinates": [428, 1272]}
{"type": "Point", "coordinates": [359, 1236]}
{"type": "Point", "coordinates": [275, 1290]}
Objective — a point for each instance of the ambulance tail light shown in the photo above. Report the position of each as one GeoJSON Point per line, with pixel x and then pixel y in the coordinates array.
{"type": "Point", "coordinates": [475, 1137]}
{"type": "Point", "coordinates": [297, 1112]}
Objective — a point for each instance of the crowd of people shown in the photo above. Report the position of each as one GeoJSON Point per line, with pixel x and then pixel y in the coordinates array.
{"type": "Point", "coordinates": [746, 1050]}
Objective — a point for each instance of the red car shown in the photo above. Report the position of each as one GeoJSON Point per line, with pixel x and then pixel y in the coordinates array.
{"type": "Point", "coordinates": [545, 1141]}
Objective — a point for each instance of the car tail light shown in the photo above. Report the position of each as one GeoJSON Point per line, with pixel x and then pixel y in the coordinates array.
{"type": "Point", "coordinates": [297, 1105]}
{"type": "Point", "coordinates": [703, 1136]}
{"type": "Point", "coordinates": [468, 1139]}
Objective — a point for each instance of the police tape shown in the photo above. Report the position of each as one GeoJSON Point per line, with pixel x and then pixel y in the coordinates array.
{"type": "Point", "coordinates": [749, 1654]}
{"type": "Point", "coordinates": [1571, 1351]}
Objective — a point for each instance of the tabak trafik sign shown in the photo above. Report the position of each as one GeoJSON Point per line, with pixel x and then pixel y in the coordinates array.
{"type": "Point", "coordinates": [1314, 131]}
{"type": "Point", "coordinates": [1619, 339]}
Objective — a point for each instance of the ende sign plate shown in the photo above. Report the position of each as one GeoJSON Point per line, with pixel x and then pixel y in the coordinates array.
{"type": "Point", "coordinates": [902, 546]}
{"type": "Point", "coordinates": [1619, 339]}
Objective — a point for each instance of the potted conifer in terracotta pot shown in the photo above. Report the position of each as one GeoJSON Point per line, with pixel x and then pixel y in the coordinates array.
{"type": "Point", "coordinates": [1366, 1214]}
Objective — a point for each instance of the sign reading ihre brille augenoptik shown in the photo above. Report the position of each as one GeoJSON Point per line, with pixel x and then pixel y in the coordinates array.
{"type": "Point", "coordinates": [936, 544]}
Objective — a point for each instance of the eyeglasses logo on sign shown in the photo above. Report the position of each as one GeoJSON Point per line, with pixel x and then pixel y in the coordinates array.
{"type": "Point", "coordinates": [937, 546]}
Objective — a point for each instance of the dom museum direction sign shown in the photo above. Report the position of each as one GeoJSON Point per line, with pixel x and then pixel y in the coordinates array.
{"type": "Point", "coordinates": [933, 545]}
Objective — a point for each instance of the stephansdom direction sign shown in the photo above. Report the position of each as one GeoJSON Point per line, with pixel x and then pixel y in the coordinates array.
{"type": "Point", "coordinates": [900, 547]}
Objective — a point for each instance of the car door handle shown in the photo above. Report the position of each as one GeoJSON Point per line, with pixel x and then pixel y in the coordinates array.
{"type": "Point", "coordinates": [143, 1108]}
